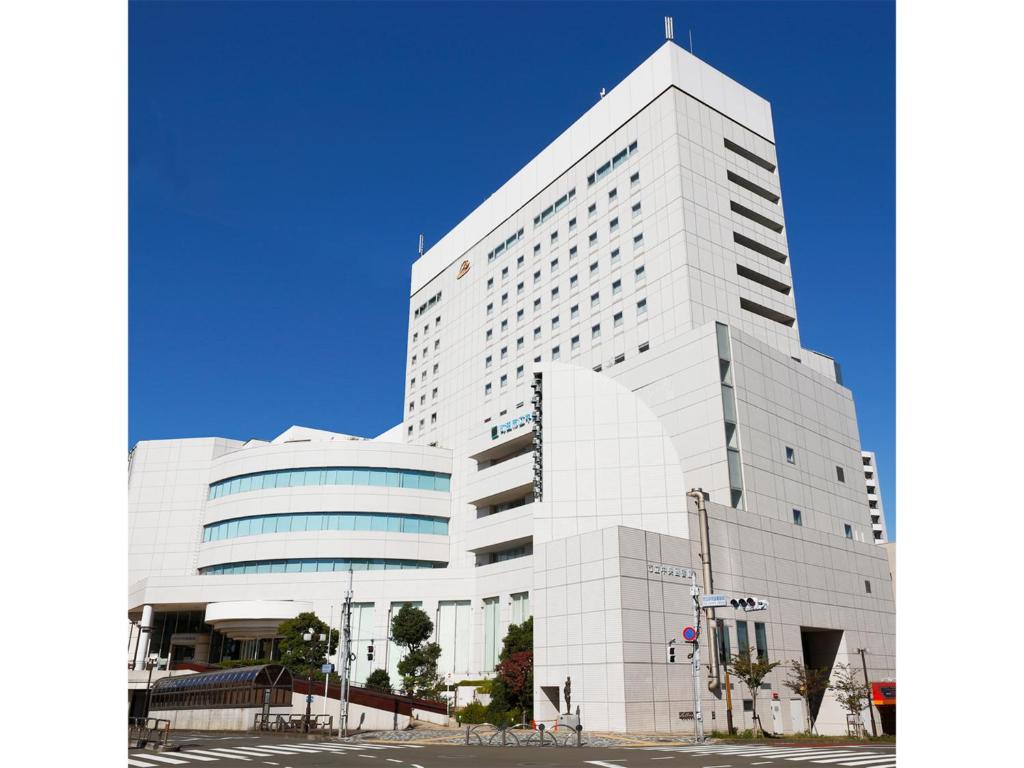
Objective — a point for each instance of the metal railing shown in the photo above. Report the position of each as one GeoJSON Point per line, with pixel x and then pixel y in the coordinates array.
{"type": "Point", "coordinates": [293, 723]}
{"type": "Point", "coordinates": [143, 731]}
{"type": "Point", "coordinates": [487, 735]}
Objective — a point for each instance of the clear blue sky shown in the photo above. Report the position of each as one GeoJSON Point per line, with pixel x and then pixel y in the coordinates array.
{"type": "Point", "coordinates": [284, 156]}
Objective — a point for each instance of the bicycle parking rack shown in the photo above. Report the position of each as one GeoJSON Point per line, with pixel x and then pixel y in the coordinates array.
{"type": "Point", "coordinates": [149, 732]}
{"type": "Point", "coordinates": [293, 723]}
{"type": "Point", "coordinates": [487, 735]}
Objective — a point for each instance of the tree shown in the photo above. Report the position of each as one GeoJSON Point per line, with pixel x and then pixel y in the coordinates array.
{"type": "Point", "coordinates": [305, 657]}
{"type": "Point", "coordinates": [809, 683]}
{"type": "Point", "coordinates": [751, 669]}
{"type": "Point", "coordinates": [410, 628]}
{"type": "Point", "coordinates": [379, 680]}
{"type": "Point", "coordinates": [512, 687]}
{"type": "Point", "coordinates": [851, 691]}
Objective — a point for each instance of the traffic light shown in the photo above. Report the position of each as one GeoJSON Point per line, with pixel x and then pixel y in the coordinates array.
{"type": "Point", "coordinates": [369, 652]}
{"type": "Point", "coordinates": [748, 604]}
{"type": "Point", "coordinates": [671, 651]}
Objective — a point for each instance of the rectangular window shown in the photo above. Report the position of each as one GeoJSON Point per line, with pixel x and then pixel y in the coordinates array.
{"type": "Point", "coordinates": [572, 225]}
{"type": "Point", "coordinates": [519, 343]}
{"type": "Point", "coordinates": [612, 194]}
{"type": "Point", "coordinates": [504, 353]}
{"type": "Point", "coordinates": [867, 586]}
{"type": "Point", "coordinates": [620, 358]}
{"type": "Point", "coordinates": [640, 272]}
{"type": "Point", "coordinates": [554, 265]}
{"type": "Point", "coordinates": [575, 343]}
{"type": "Point", "coordinates": [574, 312]}
{"type": "Point", "coordinates": [636, 210]}
{"type": "Point", "coordinates": [572, 253]}
{"type": "Point", "coordinates": [519, 315]}
{"type": "Point", "coordinates": [536, 304]}
{"type": "Point", "coordinates": [848, 530]}
{"type": "Point", "coordinates": [554, 293]}
{"type": "Point", "coordinates": [536, 277]}
{"type": "Point", "coordinates": [790, 455]}
{"type": "Point", "coordinates": [504, 325]}
{"type": "Point", "coordinates": [742, 638]}
{"type": "Point", "coordinates": [595, 331]}
{"type": "Point", "coordinates": [617, 319]}
{"type": "Point", "coordinates": [487, 390]}
{"type": "Point", "coordinates": [613, 225]}
{"type": "Point", "coordinates": [504, 299]}
{"type": "Point", "coordinates": [595, 299]}
{"type": "Point", "coordinates": [641, 307]}
{"type": "Point", "coordinates": [536, 249]}
{"type": "Point", "coordinates": [723, 641]}
{"type": "Point", "coordinates": [644, 347]}
{"type": "Point", "coordinates": [490, 309]}
{"type": "Point", "coordinates": [520, 288]}
{"type": "Point", "coordinates": [573, 281]}
{"type": "Point", "coordinates": [490, 284]}
{"type": "Point", "coordinates": [488, 335]}
{"type": "Point", "coordinates": [597, 368]}
{"type": "Point", "coordinates": [555, 353]}
{"type": "Point", "coordinates": [592, 240]}
{"type": "Point", "coordinates": [554, 323]}
{"type": "Point", "coordinates": [492, 632]}
{"type": "Point", "coordinates": [593, 269]}
{"type": "Point", "coordinates": [616, 256]}
{"type": "Point", "coordinates": [634, 180]}
{"type": "Point", "coordinates": [504, 274]}
{"type": "Point", "coordinates": [504, 380]}
{"type": "Point", "coordinates": [554, 237]}
{"type": "Point", "coordinates": [433, 418]}
{"type": "Point", "coordinates": [519, 372]}
{"type": "Point", "coordinates": [536, 333]}
{"type": "Point", "coordinates": [520, 261]}
{"type": "Point", "coordinates": [616, 287]}
{"type": "Point", "coordinates": [840, 475]}
{"type": "Point", "coordinates": [798, 518]}
{"type": "Point", "coordinates": [433, 394]}
{"type": "Point", "coordinates": [638, 241]}
{"type": "Point", "coordinates": [761, 639]}
{"type": "Point", "coordinates": [591, 210]}
{"type": "Point", "coordinates": [536, 359]}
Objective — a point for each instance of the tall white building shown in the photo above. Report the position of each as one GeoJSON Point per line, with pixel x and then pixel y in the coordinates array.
{"type": "Point", "coordinates": [614, 326]}
{"type": "Point", "coordinates": [875, 510]}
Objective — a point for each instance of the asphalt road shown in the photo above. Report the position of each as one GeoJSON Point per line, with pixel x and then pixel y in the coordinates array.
{"type": "Point", "coordinates": [252, 751]}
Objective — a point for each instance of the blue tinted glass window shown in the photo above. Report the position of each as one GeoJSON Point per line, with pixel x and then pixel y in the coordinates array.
{"type": "Point", "coordinates": [360, 477]}
{"type": "Point", "coordinates": [394, 478]}
{"type": "Point", "coordinates": [256, 483]}
{"type": "Point", "coordinates": [331, 477]}
{"type": "Point", "coordinates": [443, 483]}
{"type": "Point", "coordinates": [278, 566]}
{"type": "Point", "coordinates": [334, 523]}
{"type": "Point", "coordinates": [394, 524]}
{"type": "Point", "coordinates": [362, 522]}
{"type": "Point", "coordinates": [293, 566]}
{"type": "Point", "coordinates": [345, 476]}
{"type": "Point", "coordinates": [263, 568]}
{"type": "Point", "coordinates": [243, 528]}
{"type": "Point", "coordinates": [348, 523]}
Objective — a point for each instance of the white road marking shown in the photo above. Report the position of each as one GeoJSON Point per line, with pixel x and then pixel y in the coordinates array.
{"type": "Point", "coordinates": [867, 756]}
{"type": "Point", "coordinates": [392, 760]}
{"type": "Point", "coordinates": [670, 757]}
{"type": "Point", "coordinates": [162, 759]}
{"type": "Point", "coordinates": [267, 762]}
{"type": "Point", "coordinates": [415, 765]}
{"type": "Point", "coordinates": [826, 753]}
{"type": "Point", "coordinates": [247, 751]}
{"type": "Point", "coordinates": [190, 756]}
{"type": "Point", "coordinates": [603, 764]}
{"type": "Point", "coordinates": [869, 762]}
{"type": "Point", "coordinates": [208, 752]}
{"type": "Point", "coordinates": [763, 762]}
{"type": "Point", "coordinates": [140, 764]}
{"type": "Point", "coordinates": [372, 757]}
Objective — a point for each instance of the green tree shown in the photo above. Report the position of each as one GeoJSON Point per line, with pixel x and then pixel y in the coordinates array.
{"type": "Point", "coordinates": [809, 683]}
{"type": "Point", "coordinates": [305, 657]}
{"type": "Point", "coordinates": [411, 628]}
{"type": "Point", "coordinates": [751, 669]}
{"type": "Point", "coordinates": [379, 680]}
{"type": "Point", "coordinates": [512, 687]}
{"type": "Point", "coordinates": [851, 691]}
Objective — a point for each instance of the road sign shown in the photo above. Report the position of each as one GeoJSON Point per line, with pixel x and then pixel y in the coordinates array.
{"type": "Point", "coordinates": [714, 601]}
{"type": "Point", "coordinates": [449, 678]}
{"type": "Point", "coordinates": [689, 634]}
{"type": "Point", "coordinates": [327, 668]}
{"type": "Point", "coordinates": [309, 698]}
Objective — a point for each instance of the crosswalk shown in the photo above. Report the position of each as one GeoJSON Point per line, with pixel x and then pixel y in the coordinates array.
{"type": "Point", "coordinates": [855, 757]}
{"type": "Point", "coordinates": [194, 756]}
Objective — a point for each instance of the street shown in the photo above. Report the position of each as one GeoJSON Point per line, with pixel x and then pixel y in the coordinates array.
{"type": "Point", "coordinates": [234, 751]}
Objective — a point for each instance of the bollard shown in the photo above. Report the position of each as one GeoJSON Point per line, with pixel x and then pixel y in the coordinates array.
{"type": "Point", "coordinates": [541, 729]}
{"type": "Point", "coordinates": [467, 735]}
{"type": "Point", "coordinates": [503, 737]}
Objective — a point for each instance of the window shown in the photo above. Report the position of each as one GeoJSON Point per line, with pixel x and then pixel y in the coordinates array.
{"type": "Point", "coordinates": [504, 325]}
{"type": "Point", "coordinates": [536, 333]}
{"type": "Point", "coordinates": [595, 331]}
{"type": "Point", "coordinates": [519, 315]}
{"type": "Point", "coordinates": [555, 353]}
{"type": "Point", "coordinates": [598, 368]}
{"type": "Point", "coordinates": [616, 256]}
{"type": "Point", "coordinates": [415, 337]}
{"type": "Point", "coordinates": [488, 335]}
{"type": "Point", "coordinates": [412, 406]}
{"type": "Point", "coordinates": [487, 388]}
{"type": "Point", "coordinates": [412, 382]}
{"type": "Point", "coordinates": [761, 640]}
{"type": "Point", "coordinates": [593, 269]}
{"type": "Point", "coordinates": [617, 319]}
{"type": "Point", "coordinates": [638, 241]}
{"type": "Point", "coordinates": [436, 366]}
{"type": "Point", "coordinates": [742, 638]}
{"type": "Point", "coordinates": [487, 362]}
{"type": "Point", "coordinates": [536, 277]}
{"type": "Point", "coordinates": [490, 283]}
{"type": "Point", "coordinates": [414, 359]}
{"type": "Point", "coordinates": [520, 288]}
{"type": "Point", "coordinates": [554, 293]}
{"type": "Point", "coordinates": [504, 380]}
{"type": "Point", "coordinates": [536, 304]}
{"type": "Point", "coordinates": [573, 281]}
{"type": "Point", "coordinates": [848, 530]}
{"type": "Point", "coordinates": [636, 210]}
{"type": "Point", "coordinates": [613, 225]}
{"type": "Point", "coordinates": [616, 288]}
{"type": "Point", "coordinates": [640, 272]}
{"type": "Point", "coordinates": [504, 353]}
{"type": "Point", "coordinates": [504, 274]}
{"type": "Point", "coordinates": [641, 307]}
{"type": "Point", "coordinates": [433, 394]}
{"type": "Point", "coordinates": [612, 194]}
{"type": "Point", "coordinates": [790, 455]}
{"type": "Point", "coordinates": [634, 180]}
{"type": "Point", "coordinates": [572, 253]}
{"type": "Point", "coordinates": [554, 237]}
{"type": "Point", "coordinates": [591, 210]}
{"type": "Point", "coordinates": [572, 225]}
{"type": "Point", "coordinates": [555, 323]}
{"type": "Point", "coordinates": [554, 265]}
{"type": "Point", "coordinates": [575, 343]}
{"type": "Point", "coordinates": [519, 372]}
{"type": "Point", "coordinates": [867, 586]}
{"type": "Point", "coordinates": [798, 519]}
{"type": "Point", "coordinates": [433, 418]}
{"type": "Point", "coordinates": [620, 358]}
{"type": "Point", "coordinates": [410, 429]}
{"type": "Point", "coordinates": [520, 261]}
{"type": "Point", "coordinates": [644, 347]}
{"type": "Point", "coordinates": [574, 311]}
{"type": "Point", "coordinates": [504, 299]}
{"type": "Point", "coordinates": [519, 343]}
{"type": "Point", "coordinates": [840, 475]}
{"type": "Point", "coordinates": [595, 300]}
{"type": "Point", "coordinates": [536, 359]}
{"type": "Point", "coordinates": [437, 344]}
{"type": "Point", "coordinates": [536, 249]}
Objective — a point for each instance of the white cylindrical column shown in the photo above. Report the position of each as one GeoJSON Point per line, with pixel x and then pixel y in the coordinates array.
{"type": "Point", "coordinates": [145, 630]}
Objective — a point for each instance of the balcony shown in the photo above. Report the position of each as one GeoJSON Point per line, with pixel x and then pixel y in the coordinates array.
{"type": "Point", "coordinates": [499, 530]}
{"type": "Point", "coordinates": [502, 482]}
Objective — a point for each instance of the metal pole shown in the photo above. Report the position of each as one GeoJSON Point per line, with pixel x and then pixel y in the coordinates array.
{"type": "Point", "coordinates": [698, 495]}
{"type": "Point", "coordinates": [698, 716]}
{"type": "Point", "coordinates": [345, 654]}
{"type": "Point", "coordinates": [728, 702]}
{"type": "Point", "coordinates": [149, 685]}
{"type": "Point", "coordinates": [327, 676]}
{"type": "Point", "coordinates": [871, 712]}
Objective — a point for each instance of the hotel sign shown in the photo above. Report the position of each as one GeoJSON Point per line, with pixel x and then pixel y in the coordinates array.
{"type": "Point", "coordinates": [670, 570]}
{"type": "Point", "coordinates": [463, 269]}
{"type": "Point", "coordinates": [499, 430]}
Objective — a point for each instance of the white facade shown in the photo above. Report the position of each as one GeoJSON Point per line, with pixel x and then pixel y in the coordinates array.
{"type": "Point", "coordinates": [614, 326]}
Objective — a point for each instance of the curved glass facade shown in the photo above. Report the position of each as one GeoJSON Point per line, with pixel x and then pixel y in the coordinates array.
{"type": "Point", "coordinates": [315, 565]}
{"type": "Point", "coordinates": [291, 478]}
{"type": "Point", "coordinates": [256, 525]}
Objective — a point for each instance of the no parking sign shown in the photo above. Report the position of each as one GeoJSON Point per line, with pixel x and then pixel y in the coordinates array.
{"type": "Point", "coordinates": [689, 634]}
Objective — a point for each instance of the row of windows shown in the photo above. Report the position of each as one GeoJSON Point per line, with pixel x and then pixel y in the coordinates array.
{"type": "Point", "coordinates": [435, 299]}
{"type": "Point", "coordinates": [315, 565]}
{"type": "Point", "coordinates": [257, 525]}
{"type": "Point", "coordinates": [501, 247]}
{"type": "Point", "coordinates": [742, 640]}
{"type": "Point", "coordinates": [514, 553]}
{"type": "Point", "coordinates": [557, 206]}
{"type": "Point", "coordinates": [615, 162]}
{"type": "Point", "coordinates": [291, 478]}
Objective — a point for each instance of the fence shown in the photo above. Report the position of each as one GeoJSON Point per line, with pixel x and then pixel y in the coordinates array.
{"type": "Point", "coordinates": [293, 723]}
{"type": "Point", "coordinates": [143, 731]}
{"type": "Point", "coordinates": [487, 735]}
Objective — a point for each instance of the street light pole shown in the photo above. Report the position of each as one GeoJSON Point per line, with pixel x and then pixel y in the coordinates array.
{"type": "Point", "coordinates": [151, 662]}
{"type": "Point", "coordinates": [871, 711]}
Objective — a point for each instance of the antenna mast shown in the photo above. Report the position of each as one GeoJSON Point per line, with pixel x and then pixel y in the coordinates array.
{"type": "Point", "coordinates": [669, 34]}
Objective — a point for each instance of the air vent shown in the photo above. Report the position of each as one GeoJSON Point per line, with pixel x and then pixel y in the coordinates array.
{"type": "Point", "coordinates": [748, 155]}
{"type": "Point", "coordinates": [764, 250]}
{"type": "Point", "coordinates": [750, 186]}
{"type": "Point", "coordinates": [764, 221]}
{"type": "Point", "coordinates": [764, 280]}
{"type": "Point", "coordinates": [771, 314]}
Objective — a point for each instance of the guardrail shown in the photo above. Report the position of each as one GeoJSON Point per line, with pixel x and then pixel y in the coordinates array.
{"type": "Point", "coordinates": [143, 731]}
{"type": "Point", "coordinates": [487, 735]}
{"type": "Point", "coordinates": [293, 723]}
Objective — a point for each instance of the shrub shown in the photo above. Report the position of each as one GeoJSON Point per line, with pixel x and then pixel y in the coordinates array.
{"type": "Point", "coordinates": [473, 713]}
{"type": "Point", "coordinates": [379, 680]}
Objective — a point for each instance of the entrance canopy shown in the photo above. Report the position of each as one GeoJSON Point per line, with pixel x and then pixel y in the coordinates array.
{"type": "Point", "coordinates": [226, 688]}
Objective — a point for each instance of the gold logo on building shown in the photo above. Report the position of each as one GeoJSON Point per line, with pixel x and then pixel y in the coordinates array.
{"type": "Point", "coordinates": [463, 269]}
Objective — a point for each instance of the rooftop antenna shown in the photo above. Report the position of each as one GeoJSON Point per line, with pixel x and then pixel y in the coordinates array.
{"type": "Point", "coordinates": [691, 41]}
{"type": "Point", "coordinates": [668, 28]}
{"type": "Point", "coordinates": [602, 93]}
{"type": "Point", "coordinates": [420, 248]}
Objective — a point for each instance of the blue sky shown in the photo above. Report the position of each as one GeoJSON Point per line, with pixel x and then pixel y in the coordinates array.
{"type": "Point", "coordinates": [283, 158]}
